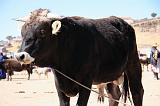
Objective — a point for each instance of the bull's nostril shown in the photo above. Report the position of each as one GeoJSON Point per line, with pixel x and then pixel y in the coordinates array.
{"type": "Point", "coordinates": [22, 57]}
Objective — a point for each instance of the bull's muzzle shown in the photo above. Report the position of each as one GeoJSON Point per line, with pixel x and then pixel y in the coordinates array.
{"type": "Point", "coordinates": [24, 57]}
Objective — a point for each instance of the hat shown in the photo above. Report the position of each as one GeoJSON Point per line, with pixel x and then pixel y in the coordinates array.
{"type": "Point", "coordinates": [155, 45]}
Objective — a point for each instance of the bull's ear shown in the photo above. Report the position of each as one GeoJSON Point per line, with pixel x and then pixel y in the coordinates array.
{"type": "Point", "coordinates": [56, 25]}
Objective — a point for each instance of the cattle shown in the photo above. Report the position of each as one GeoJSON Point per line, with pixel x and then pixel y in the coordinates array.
{"type": "Point", "coordinates": [144, 60]}
{"type": "Point", "coordinates": [11, 65]}
{"type": "Point", "coordinates": [89, 51]}
{"type": "Point", "coordinates": [42, 70]}
{"type": "Point", "coordinates": [112, 89]}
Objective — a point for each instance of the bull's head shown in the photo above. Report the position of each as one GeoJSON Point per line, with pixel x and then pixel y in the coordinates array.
{"type": "Point", "coordinates": [39, 40]}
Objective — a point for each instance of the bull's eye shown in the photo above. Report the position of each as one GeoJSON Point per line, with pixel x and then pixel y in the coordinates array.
{"type": "Point", "coordinates": [42, 31]}
{"type": "Point", "coordinates": [29, 41]}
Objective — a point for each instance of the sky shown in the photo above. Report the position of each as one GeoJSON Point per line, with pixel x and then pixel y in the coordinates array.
{"type": "Point", "coordinates": [136, 9]}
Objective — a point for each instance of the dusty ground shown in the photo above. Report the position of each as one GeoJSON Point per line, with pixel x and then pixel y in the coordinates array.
{"type": "Point", "coordinates": [42, 92]}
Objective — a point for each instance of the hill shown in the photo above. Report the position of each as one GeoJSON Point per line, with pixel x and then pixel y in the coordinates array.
{"type": "Point", "coordinates": [146, 39]}
{"type": "Point", "coordinates": [147, 32]}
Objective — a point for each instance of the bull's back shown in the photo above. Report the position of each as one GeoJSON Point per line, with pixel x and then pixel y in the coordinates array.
{"type": "Point", "coordinates": [112, 35]}
{"type": "Point", "coordinates": [13, 65]}
{"type": "Point", "coordinates": [115, 39]}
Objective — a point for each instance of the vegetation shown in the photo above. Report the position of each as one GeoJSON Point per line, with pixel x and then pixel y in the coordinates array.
{"type": "Point", "coordinates": [10, 37]}
{"type": "Point", "coordinates": [153, 14]}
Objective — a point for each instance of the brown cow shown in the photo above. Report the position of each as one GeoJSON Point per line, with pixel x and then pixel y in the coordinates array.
{"type": "Point", "coordinates": [11, 65]}
{"type": "Point", "coordinates": [42, 70]}
{"type": "Point", "coordinates": [112, 89]}
{"type": "Point", "coordinates": [144, 60]}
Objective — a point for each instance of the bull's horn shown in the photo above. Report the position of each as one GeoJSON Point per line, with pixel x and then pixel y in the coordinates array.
{"type": "Point", "coordinates": [18, 20]}
{"type": "Point", "coordinates": [56, 25]}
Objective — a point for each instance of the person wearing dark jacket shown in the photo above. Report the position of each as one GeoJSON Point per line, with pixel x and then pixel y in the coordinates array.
{"type": "Point", "coordinates": [153, 60]}
{"type": "Point", "coordinates": [2, 71]}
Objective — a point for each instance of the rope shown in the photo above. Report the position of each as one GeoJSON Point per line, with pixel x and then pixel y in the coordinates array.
{"type": "Point", "coordinates": [90, 88]}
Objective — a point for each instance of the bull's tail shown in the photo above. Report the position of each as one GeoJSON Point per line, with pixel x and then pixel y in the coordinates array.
{"type": "Point", "coordinates": [125, 89]}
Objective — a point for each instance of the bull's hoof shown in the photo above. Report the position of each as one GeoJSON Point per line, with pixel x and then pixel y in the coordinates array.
{"type": "Point", "coordinates": [101, 99]}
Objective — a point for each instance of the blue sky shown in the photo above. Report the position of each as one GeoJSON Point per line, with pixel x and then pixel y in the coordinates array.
{"type": "Point", "coordinates": [136, 9]}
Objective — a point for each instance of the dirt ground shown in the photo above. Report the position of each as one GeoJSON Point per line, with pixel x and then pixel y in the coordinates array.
{"type": "Point", "coordinates": [42, 92]}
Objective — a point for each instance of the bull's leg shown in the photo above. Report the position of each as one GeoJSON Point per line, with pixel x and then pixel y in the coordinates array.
{"type": "Point", "coordinates": [143, 66]}
{"type": "Point", "coordinates": [28, 71]}
{"type": "Point", "coordinates": [84, 94]}
{"type": "Point", "coordinates": [136, 90]}
{"type": "Point", "coordinates": [101, 88]}
{"type": "Point", "coordinates": [63, 99]}
{"type": "Point", "coordinates": [147, 67]}
{"type": "Point", "coordinates": [156, 75]}
{"type": "Point", "coordinates": [46, 74]}
{"type": "Point", "coordinates": [28, 76]}
{"type": "Point", "coordinates": [134, 73]}
{"type": "Point", "coordinates": [9, 75]}
{"type": "Point", "coordinates": [114, 92]}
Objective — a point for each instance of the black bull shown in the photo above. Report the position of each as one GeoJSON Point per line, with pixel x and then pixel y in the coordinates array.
{"type": "Point", "coordinates": [90, 51]}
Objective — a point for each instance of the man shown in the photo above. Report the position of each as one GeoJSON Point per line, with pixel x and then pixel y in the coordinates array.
{"type": "Point", "coordinates": [153, 60]}
{"type": "Point", "coordinates": [2, 71]}
{"type": "Point", "coordinates": [1, 57]}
